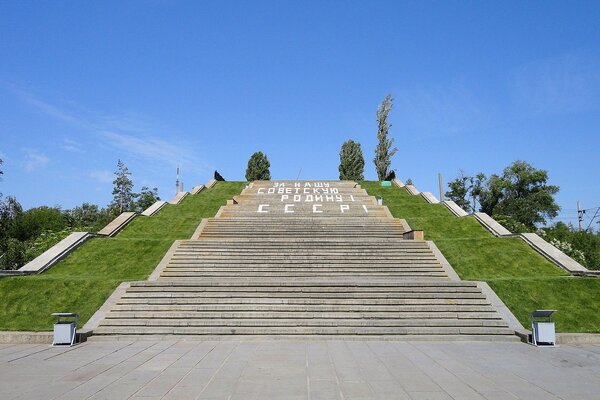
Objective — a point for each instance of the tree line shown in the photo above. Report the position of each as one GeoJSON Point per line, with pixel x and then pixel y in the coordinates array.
{"type": "Point", "coordinates": [352, 162]}
{"type": "Point", "coordinates": [26, 234]}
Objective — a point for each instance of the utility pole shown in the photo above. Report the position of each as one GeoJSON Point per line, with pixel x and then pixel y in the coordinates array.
{"type": "Point", "coordinates": [580, 213]}
{"type": "Point", "coordinates": [441, 183]}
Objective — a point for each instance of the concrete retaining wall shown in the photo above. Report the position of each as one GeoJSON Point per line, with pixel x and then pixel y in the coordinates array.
{"type": "Point", "coordinates": [552, 253]}
{"type": "Point", "coordinates": [179, 197]}
{"type": "Point", "coordinates": [491, 224]}
{"type": "Point", "coordinates": [412, 189]}
{"type": "Point", "coordinates": [117, 224]}
{"type": "Point", "coordinates": [429, 197]}
{"type": "Point", "coordinates": [154, 208]}
{"type": "Point", "coordinates": [454, 208]}
{"type": "Point", "coordinates": [197, 189]}
{"type": "Point", "coordinates": [55, 253]}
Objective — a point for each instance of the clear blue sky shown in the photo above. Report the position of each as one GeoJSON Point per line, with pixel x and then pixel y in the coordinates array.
{"type": "Point", "coordinates": [476, 85]}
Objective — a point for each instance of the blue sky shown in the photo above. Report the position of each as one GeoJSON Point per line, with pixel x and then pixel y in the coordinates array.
{"type": "Point", "coordinates": [476, 85]}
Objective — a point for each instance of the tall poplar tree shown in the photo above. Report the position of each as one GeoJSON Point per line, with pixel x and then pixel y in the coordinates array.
{"type": "Point", "coordinates": [123, 196]}
{"type": "Point", "coordinates": [384, 151]}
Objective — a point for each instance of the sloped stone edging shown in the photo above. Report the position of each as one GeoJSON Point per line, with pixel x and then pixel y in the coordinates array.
{"type": "Point", "coordinates": [445, 264]}
{"type": "Point", "coordinates": [179, 197]}
{"type": "Point", "coordinates": [99, 315]}
{"type": "Point", "coordinates": [117, 224]}
{"type": "Point", "coordinates": [454, 208]}
{"type": "Point", "coordinates": [55, 253]}
{"type": "Point", "coordinates": [154, 208]}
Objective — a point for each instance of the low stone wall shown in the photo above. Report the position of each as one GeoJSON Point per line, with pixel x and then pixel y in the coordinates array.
{"type": "Point", "coordinates": [491, 224]}
{"type": "Point", "coordinates": [429, 197]}
{"type": "Point", "coordinates": [154, 208]}
{"type": "Point", "coordinates": [179, 197]}
{"type": "Point", "coordinates": [454, 208]}
{"type": "Point", "coordinates": [117, 224]}
{"type": "Point", "coordinates": [55, 253]}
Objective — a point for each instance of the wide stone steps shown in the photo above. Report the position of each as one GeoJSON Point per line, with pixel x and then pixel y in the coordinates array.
{"type": "Point", "coordinates": [331, 263]}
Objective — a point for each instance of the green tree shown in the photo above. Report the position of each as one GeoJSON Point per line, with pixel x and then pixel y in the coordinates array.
{"type": "Point", "coordinates": [520, 196]}
{"type": "Point", "coordinates": [12, 251]}
{"type": "Point", "coordinates": [521, 192]}
{"type": "Point", "coordinates": [88, 217]}
{"type": "Point", "coordinates": [459, 191]}
{"type": "Point", "coordinates": [146, 198]}
{"type": "Point", "coordinates": [352, 162]}
{"type": "Point", "coordinates": [123, 196]}
{"type": "Point", "coordinates": [584, 246]}
{"type": "Point", "coordinates": [384, 151]}
{"type": "Point", "coordinates": [31, 223]}
{"type": "Point", "coordinates": [258, 168]}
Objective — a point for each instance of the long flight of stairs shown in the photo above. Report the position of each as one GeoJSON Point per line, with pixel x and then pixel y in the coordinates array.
{"type": "Point", "coordinates": [304, 258]}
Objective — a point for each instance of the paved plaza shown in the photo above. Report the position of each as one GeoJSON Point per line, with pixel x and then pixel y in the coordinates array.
{"type": "Point", "coordinates": [299, 369]}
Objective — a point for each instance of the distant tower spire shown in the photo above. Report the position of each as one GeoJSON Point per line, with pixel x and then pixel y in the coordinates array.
{"type": "Point", "coordinates": [177, 187]}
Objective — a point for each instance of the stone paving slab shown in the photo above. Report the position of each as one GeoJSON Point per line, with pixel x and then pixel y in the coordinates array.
{"type": "Point", "coordinates": [299, 369]}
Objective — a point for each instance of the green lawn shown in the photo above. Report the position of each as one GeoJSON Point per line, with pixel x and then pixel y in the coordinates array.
{"type": "Point", "coordinates": [522, 278]}
{"type": "Point", "coordinates": [84, 280]}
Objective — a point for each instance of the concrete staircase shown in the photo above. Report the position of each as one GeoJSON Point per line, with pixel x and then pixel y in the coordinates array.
{"type": "Point", "coordinates": [304, 258]}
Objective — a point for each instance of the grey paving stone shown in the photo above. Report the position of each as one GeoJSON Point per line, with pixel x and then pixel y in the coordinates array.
{"type": "Point", "coordinates": [280, 369]}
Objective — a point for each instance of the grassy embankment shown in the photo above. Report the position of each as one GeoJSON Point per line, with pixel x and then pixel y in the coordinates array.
{"type": "Point", "coordinates": [84, 280]}
{"type": "Point", "coordinates": [521, 277]}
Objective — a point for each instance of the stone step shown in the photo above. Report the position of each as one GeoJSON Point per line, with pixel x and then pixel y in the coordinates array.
{"type": "Point", "coordinates": [204, 315]}
{"type": "Point", "coordinates": [406, 275]}
{"type": "Point", "coordinates": [305, 308]}
{"type": "Point", "coordinates": [305, 322]}
{"type": "Point", "coordinates": [299, 330]}
{"type": "Point", "coordinates": [317, 283]}
{"type": "Point", "coordinates": [152, 294]}
{"type": "Point", "coordinates": [290, 267]}
{"type": "Point", "coordinates": [297, 301]}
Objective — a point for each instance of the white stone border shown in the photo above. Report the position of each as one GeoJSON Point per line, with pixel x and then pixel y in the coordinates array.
{"type": "Point", "coordinates": [164, 261]}
{"type": "Point", "coordinates": [398, 182]}
{"type": "Point", "coordinates": [454, 208]}
{"type": "Point", "coordinates": [179, 197]}
{"type": "Point", "coordinates": [99, 315]}
{"type": "Point", "coordinates": [429, 197]}
{"type": "Point", "coordinates": [154, 208]}
{"type": "Point", "coordinates": [199, 229]}
{"type": "Point", "coordinates": [55, 253]}
{"type": "Point", "coordinates": [498, 304]}
{"type": "Point", "coordinates": [197, 189]}
{"type": "Point", "coordinates": [552, 253]}
{"type": "Point", "coordinates": [442, 260]}
{"type": "Point", "coordinates": [117, 224]}
{"type": "Point", "coordinates": [411, 189]}
{"type": "Point", "coordinates": [491, 224]}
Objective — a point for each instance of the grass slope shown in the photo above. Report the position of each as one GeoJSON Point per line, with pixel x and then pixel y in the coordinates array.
{"type": "Point", "coordinates": [84, 280]}
{"type": "Point", "coordinates": [522, 278]}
